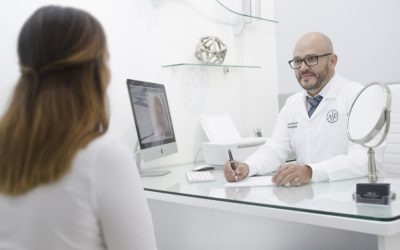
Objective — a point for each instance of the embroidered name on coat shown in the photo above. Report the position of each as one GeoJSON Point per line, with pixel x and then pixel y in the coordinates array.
{"type": "Point", "coordinates": [292, 125]}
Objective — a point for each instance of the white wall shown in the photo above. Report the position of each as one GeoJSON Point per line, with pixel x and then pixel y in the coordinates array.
{"type": "Point", "coordinates": [142, 37]}
{"type": "Point", "coordinates": [364, 34]}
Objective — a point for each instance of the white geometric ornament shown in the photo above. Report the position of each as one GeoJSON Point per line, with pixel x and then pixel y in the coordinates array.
{"type": "Point", "coordinates": [211, 50]}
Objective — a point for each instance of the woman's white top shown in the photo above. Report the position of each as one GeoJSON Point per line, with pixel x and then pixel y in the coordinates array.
{"type": "Point", "coordinates": [99, 204]}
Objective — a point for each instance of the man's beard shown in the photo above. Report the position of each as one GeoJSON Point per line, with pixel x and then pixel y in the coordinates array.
{"type": "Point", "coordinates": [321, 79]}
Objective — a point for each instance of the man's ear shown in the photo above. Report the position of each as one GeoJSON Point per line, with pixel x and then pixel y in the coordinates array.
{"type": "Point", "coordinates": [333, 60]}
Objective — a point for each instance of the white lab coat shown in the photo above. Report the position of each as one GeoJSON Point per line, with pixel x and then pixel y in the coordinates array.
{"type": "Point", "coordinates": [320, 141]}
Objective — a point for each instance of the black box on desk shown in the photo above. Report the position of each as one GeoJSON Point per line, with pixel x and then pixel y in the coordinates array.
{"type": "Point", "coordinates": [373, 193]}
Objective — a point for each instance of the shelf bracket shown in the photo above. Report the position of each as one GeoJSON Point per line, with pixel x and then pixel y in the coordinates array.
{"type": "Point", "coordinates": [226, 70]}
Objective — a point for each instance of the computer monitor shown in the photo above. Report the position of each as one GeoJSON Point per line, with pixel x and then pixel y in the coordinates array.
{"type": "Point", "coordinates": [153, 122]}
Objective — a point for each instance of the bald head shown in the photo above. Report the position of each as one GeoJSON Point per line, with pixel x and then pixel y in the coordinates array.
{"type": "Point", "coordinates": [313, 43]}
{"type": "Point", "coordinates": [314, 61]}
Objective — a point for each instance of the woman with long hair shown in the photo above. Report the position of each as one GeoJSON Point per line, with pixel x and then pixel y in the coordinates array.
{"type": "Point", "coordinates": [64, 184]}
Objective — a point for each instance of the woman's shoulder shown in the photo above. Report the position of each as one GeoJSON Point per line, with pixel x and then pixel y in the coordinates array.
{"type": "Point", "coordinates": [105, 150]}
{"type": "Point", "coordinates": [106, 143]}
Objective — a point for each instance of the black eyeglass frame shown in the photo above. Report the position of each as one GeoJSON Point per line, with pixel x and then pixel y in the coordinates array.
{"type": "Point", "coordinates": [304, 60]}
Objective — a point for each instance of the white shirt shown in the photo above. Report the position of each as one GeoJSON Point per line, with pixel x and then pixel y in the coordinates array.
{"type": "Point", "coordinates": [320, 141]}
{"type": "Point", "coordinates": [99, 204]}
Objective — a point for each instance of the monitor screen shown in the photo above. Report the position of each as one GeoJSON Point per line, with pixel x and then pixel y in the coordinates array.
{"type": "Point", "coordinates": [152, 117]}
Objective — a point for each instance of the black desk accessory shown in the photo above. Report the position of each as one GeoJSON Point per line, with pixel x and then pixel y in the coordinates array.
{"type": "Point", "coordinates": [373, 193]}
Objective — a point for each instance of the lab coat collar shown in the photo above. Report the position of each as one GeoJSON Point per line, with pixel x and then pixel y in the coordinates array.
{"type": "Point", "coordinates": [329, 91]}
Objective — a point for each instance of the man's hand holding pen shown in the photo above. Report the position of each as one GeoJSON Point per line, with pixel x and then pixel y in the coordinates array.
{"type": "Point", "coordinates": [241, 171]}
{"type": "Point", "coordinates": [289, 174]}
{"type": "Point", "coordinates": [233, 166]}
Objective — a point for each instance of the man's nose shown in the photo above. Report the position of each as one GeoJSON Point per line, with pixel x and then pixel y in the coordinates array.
{"type": "Point", "coordinates": [304, 66]}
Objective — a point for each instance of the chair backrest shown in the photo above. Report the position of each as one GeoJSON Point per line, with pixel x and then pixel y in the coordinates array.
{"type": "Point", "coordinates": [391, 158]}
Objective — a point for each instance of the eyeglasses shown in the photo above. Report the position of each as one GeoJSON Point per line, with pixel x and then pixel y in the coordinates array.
{"type": "Point", "coordinates": [309, 60]}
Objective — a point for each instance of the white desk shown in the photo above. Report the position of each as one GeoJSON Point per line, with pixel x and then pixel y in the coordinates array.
{"type": "Point", "coordinates": [315, 216]}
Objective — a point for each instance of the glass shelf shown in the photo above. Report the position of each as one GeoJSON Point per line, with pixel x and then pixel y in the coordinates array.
{"type": "Point", "coordinates": [225, 67]}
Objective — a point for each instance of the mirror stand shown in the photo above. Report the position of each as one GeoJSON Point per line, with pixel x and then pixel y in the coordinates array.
{"type": "Point", "coordinates": [365, 127]}
{"type": "Point", "coordinates": [372, 177]}
{"type": "Point", "coordinates": [372, 187]}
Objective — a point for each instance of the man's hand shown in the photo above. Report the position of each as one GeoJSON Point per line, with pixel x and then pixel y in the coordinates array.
{"type": "Point", "coordinates": [242, 170]}
{"type": "Point", "coordinates": [292, 174]}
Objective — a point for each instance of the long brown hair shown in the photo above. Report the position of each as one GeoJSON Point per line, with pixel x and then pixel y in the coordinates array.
{"type": "Point", "coordinates": [59, 104]}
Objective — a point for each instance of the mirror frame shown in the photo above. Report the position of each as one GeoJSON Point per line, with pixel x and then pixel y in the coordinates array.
{"type": "Point", "coordinates": [383, 119]}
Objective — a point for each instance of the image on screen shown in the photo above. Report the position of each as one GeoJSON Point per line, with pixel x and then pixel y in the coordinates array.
{"type": "Point", "coordinates": [152, 119]}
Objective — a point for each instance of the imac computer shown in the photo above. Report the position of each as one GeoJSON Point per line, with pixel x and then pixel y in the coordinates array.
{"type": "Point", "coordinates": [153, 122]}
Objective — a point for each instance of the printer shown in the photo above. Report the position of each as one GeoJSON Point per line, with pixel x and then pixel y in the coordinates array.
{"type": "Point", "coordinates": [223, 135]}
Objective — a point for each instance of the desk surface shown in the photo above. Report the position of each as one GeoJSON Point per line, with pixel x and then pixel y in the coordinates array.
{"type": "Point", "coordinates": [327, 198]}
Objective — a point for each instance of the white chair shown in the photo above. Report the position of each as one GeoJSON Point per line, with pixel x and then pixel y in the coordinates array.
{"type": "Point", "coordinates": [391, 158]}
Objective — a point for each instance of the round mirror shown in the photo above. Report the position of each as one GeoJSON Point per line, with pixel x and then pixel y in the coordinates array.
{"type": "Point", "coordinates": [369, 113]}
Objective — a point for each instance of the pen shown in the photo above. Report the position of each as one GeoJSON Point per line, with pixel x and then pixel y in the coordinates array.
{"type": "Point", "coordinates": [232, 162]}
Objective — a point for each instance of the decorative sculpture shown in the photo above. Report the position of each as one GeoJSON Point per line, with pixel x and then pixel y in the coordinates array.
{"type": "Point", "coordinates": [211, 50]}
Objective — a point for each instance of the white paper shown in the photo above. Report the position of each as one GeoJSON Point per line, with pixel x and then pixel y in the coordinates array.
{"type": "Point", "coordinates": [255, 181]}
{"type": "Point", "coordinates": [219, 128]}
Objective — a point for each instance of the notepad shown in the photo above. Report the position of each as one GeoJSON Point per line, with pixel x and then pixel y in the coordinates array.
{"type": "Point", "coordinates": [255, 181]}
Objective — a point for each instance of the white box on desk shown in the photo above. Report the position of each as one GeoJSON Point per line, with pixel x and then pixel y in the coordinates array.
{"type": "Point", "coordinates": [216, 153]}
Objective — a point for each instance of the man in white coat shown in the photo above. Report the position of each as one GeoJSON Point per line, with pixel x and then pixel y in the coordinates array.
{"type": "Point", "coordinates": [312, 124]}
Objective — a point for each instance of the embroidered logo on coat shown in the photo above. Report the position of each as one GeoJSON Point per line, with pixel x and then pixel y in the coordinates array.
{"type": "Point", "coordinates": [332, 116]}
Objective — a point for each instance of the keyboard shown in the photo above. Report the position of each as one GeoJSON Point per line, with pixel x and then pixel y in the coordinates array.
{"type": "Point", "coordinates": [199, 176]}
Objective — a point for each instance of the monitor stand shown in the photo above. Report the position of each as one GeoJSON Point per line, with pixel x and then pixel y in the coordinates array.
{"type": "Point", "coordinates": [147, 172]}
{"type": "Point", "coordinates": [153, 172]}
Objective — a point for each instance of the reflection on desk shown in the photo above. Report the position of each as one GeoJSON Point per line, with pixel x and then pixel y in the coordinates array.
{"type": "Point", "coordinates": [230, 193]}
{"type": "Point", "coordinates": [294, 195]}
